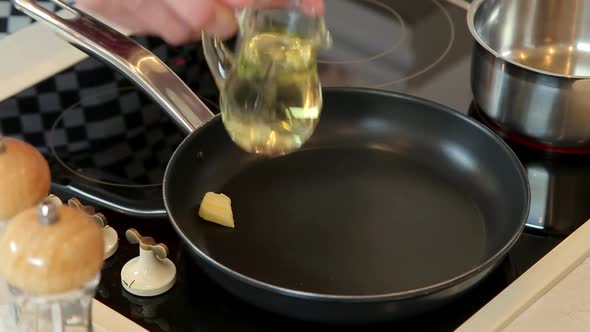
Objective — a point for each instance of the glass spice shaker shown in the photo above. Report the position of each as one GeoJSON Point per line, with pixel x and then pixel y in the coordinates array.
{"type": "Point", "coordinates": [51, 257]}
{"type": "Point", "coordinates": [24, 182]}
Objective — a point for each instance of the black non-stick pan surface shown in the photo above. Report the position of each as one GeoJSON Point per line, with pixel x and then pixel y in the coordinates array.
{"type": "Point", "coordinates": [395, 206]}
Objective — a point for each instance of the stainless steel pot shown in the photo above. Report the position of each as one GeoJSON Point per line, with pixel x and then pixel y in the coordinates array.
{"type": "Point", "coordinates": [530, 70]}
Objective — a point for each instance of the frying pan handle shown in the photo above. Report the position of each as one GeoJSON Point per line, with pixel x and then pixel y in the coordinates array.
{"type": "Point", "coordinates": [126, 56]}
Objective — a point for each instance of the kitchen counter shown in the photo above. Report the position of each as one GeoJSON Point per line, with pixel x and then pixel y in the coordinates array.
{"type": "Point", "coordinates": [553, 295]}
{"type": "Point", "coordinates": [34, 52]}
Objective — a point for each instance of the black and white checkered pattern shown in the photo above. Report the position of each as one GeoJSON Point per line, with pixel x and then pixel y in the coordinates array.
{"type": "Point", "coordinates": [12, 20]}
{"type": "Point", "coordinates": [31, 113]}
{"type": "Point", "coordinates": [106, 124]}
{"type": "Point", "coordinates": [104, 127]}
{"type": "Point", "coordinates": [120, 132]}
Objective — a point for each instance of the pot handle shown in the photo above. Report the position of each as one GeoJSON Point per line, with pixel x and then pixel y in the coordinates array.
{"type": "Point", "coordinates": [126, 56]}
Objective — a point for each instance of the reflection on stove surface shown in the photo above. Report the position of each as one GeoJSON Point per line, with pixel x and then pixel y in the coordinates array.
{"type": "Point", "coordinates": [559, 183]}
{"type": "Point", "coordinates": [559, 189]}
{"type": "Point", "coordinates": [149, 309]}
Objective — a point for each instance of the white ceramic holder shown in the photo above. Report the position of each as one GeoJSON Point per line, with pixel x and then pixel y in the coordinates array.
{"type": "Point", "coordinates": [111, 239]}
{"type": "Point", "coordinates": [151, 273]}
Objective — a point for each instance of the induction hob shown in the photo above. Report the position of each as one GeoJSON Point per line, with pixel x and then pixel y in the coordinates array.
{"type": "Point", "coordinates": [421, 47]}
{"type": "Point", "coordinates": [111, 146]}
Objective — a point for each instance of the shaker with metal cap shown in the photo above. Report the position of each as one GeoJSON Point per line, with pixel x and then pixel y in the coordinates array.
{"type": "Point", "coordinates": [51, 257]}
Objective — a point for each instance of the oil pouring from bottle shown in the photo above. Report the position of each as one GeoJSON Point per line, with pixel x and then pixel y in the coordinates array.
{"type": "Point", "coordinates": [270, 92]}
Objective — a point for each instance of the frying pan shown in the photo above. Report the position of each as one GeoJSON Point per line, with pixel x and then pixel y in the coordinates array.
{"type": "Point", "coordinates": [396, 205]}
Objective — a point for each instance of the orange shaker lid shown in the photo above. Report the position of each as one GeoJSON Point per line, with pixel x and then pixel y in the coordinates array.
{"type": "Point", "coordinates": [25, 177]}
{"type": "Point", "coordinates": [51, 249]}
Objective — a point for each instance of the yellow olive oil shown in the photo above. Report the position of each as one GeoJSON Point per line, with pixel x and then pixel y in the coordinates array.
{"type": "Point", "coordinates": [271, 102]}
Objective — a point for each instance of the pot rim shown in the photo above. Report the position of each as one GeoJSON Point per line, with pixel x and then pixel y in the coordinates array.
{"type": "Point", "coordinates": [473, 8]}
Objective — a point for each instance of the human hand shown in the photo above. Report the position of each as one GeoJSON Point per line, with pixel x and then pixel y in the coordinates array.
{"type": "Point", "coordinates": [177, 21]}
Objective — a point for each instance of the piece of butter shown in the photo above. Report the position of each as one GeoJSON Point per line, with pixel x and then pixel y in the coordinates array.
{"type": "Point", "coordinates": [216, 208]}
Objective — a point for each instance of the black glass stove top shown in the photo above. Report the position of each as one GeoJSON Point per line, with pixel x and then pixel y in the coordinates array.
{"type": "Point", "coordinates": [118, 145]}
{"type": "Point", "coordinates": [111, 147]}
